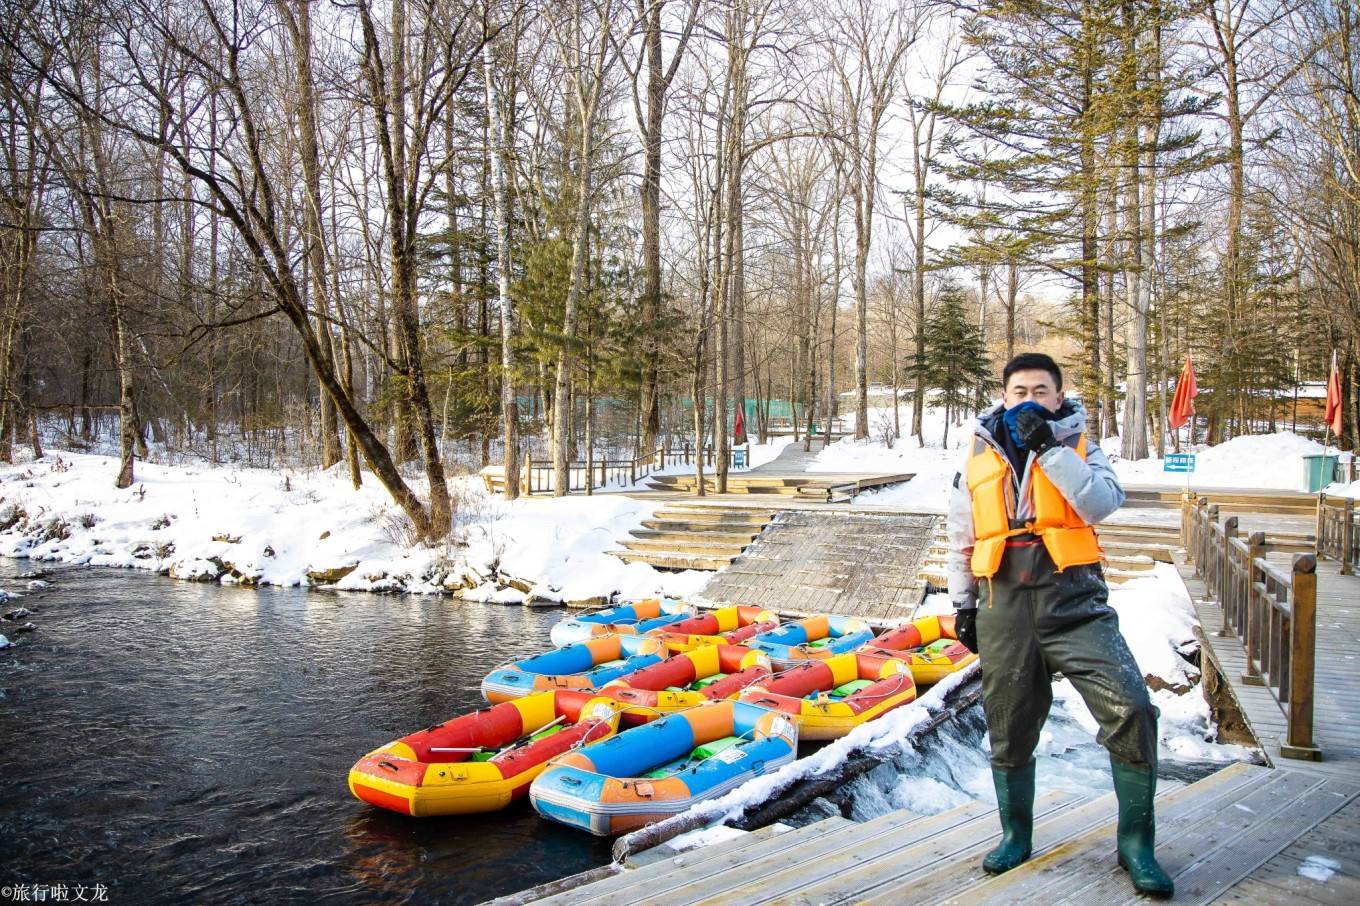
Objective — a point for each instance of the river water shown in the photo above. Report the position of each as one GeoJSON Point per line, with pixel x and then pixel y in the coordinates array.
{"type": "Point", "coordinates": [179, 742]}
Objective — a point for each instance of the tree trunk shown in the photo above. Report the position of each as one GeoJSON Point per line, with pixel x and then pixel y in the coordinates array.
{"type": "Point", "coordinates": [509, 400]}
{"type": "Point", "coordinates": [561, 391]}
{"type": "Point", "coordinates": [314, 242]}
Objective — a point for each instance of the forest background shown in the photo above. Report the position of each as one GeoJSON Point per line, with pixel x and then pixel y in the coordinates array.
{"type": "Point", "coordinates": [405, 238]}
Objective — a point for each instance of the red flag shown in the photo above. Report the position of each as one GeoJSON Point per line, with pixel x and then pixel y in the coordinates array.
{"type": "Point", "coordinates": [1183, 403]}
{"type": "Point", "coordinates": [739, 428]}
{"type": "Point", "coordinates": [1333, 411]}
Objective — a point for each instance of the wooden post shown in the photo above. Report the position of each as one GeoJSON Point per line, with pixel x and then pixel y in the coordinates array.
{"type": "Point", "coordinates": [1302, 640]}
{"type": "Point", "coordinates": [632, 472]}
{"type": "Point", "coordinates": [1206, 567]}
{"type": "Point", "coordinates": [1187, 511]}
{"type": "Point", "coordinates": [1249, 629]}
{"type": "Point", "coordinates": [1321, 525]}
{"type": "Point", "coordinates": [1226, 600]}
{"type": "Point", "coordinates": [1347, 536]}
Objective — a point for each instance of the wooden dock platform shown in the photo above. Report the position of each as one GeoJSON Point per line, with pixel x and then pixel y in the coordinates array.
{"type": "Point", "coordinates": [1236, 834]}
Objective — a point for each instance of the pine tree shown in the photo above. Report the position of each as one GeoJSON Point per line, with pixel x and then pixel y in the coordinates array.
{"type": "Point", "coordinates": [956, 363]}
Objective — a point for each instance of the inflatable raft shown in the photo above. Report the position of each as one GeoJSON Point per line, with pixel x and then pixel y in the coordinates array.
{"type": "Point", "coordinates": [651, 772]}
{"type": "Point", "coordinates": [480, 762]}
{"type": "Point", "coordinates": [685, 680]}
{"type": "Point", "coordinates": [585, 665]}
{"type": "Point", "coordinates": [723, 626]}
{"type": "Point", "coordinates": [829, 698]}
{"type": "Point", "coordinates": [628, 619]}
{"type": "Point", "coordinates": [813, 638]}
{"type": "Point", "coordinates": [929, 645]}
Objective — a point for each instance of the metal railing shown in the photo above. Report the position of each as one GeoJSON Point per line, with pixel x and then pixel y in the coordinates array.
{"type": "Point", "coordinates": [1272, 610]}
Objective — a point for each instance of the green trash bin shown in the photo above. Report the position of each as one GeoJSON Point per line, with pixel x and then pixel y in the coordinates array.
{"type": "Point", "coordinates": [1318, 470]}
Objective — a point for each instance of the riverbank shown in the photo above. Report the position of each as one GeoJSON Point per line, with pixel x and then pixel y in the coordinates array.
{"type": "Point", "coordinates": [281, 527]}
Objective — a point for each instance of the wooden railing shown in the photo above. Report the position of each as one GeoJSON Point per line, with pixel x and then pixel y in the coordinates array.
{"type": "Point", "coordinates": [538, 475]}
{"type": "Point", "coordinates": [1338, 535]}
{"type": "Point", "coordinates": [1272, 611]}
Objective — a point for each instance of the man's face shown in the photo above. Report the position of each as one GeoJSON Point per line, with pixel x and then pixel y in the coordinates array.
{"type": "Point", "coordinates": [1034, 384]}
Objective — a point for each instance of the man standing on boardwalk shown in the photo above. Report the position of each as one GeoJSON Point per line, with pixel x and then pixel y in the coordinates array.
{"type": "Point", "coordinates": [1031, 600]}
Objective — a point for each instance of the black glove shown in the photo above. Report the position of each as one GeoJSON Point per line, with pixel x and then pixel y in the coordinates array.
{"type": "Point", "coordinates": [965, 627]}
{"type": "Point", "coordinates": [1035, 431]}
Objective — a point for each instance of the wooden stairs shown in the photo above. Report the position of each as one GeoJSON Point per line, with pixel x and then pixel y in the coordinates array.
{"type": "Point", "coordinates": [694, 536]}
{"type": "Point", "coordinates": [1130, 551]}
{"type": "Point", "coordinates": [802, 485]}
{"type": "Point", "coordinates": [1211, 835]}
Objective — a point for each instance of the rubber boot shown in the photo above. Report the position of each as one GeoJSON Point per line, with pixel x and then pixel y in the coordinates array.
{"type": "Point", "coordinates": [1015, 805]}
{"type": "Point", "coordinates": [1135, 788]}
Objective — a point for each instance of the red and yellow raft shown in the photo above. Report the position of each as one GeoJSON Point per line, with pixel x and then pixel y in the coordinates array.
{"type": "Point", "coordinates": [929, 645]}
{"type": "Point", "coordinates": [722, 626]}
{"type": "Point", "coordinates": [690, 678]}
{"type": "Point", "coordinates": [480, 762]}
{"type": "Point", "coordinates": [829, 698]}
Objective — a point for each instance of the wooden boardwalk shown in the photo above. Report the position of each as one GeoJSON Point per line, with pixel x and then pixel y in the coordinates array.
{"type": "Point", "coordinates": [1230, 836]}
{"type": "Point", "coordinates": [1336, 732]}
{"type": "Point", "coordinates": [1336, 705]}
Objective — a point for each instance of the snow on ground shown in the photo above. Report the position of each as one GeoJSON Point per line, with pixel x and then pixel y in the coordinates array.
{"type": "Point", "coordinates": [933, 465]}
{"type": "Point", "coordinates": [276, 527]}
{"type": "Point", "coordinates": [1273, 461]}
{"type": "Point", "coordinates": [760, 454]}
{"type": "Point", "coordinates": [1265, 461]}
{"type": "Point", "coordinates": [1318, 868]}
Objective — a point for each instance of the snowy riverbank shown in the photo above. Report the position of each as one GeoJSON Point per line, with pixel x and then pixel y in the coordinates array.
{"type": "Point", "coordinates": [279, 527]}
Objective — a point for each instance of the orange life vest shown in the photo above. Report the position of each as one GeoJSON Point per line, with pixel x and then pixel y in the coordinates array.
{"type": "Point", "coordinates": [1068, 538]}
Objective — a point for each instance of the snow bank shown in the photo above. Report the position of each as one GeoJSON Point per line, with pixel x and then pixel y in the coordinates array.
{"type": "Point", "coordinates": [932, 465]}
{"type": "Point", "coordinates": [273, 527]}
{"type": "Point", "coordinates": [1266, 461]}
{"type": "Point", "coordinates": [1273, 461]}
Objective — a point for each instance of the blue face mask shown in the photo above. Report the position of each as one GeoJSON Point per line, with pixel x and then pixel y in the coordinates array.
{"type": "Point", "coordinates": [1012, 413]}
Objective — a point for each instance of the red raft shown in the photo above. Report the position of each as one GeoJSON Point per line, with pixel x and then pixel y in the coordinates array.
{"type": "Point", "coordinates": [928, 644]}
{"type": "Point", "coordinates": [480, 762]}
{"type": "Point", "coordinates": [723, 626]}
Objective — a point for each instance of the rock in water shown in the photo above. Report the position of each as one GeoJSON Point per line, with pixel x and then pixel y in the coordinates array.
{"type": "Point", "coordinates": [4, 643]}
{"type": "Point", "coordinates": [39, 585]}
{"type": "Point", "coordinates": [323, 575]}
{"type": "Point", "coordinates": [26, 627]}
{"type": "Point", "coordinates": [17, 613]}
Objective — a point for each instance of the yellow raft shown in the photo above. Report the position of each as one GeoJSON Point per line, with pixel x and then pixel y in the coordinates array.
{"type": "Point", "coordinates": [929, 645]}
{"type": "Point", "coordinates": [829, 698]}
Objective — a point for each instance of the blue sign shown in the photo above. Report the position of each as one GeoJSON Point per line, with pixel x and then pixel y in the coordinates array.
{"type": "Point", "coordinates": [1179, 462]}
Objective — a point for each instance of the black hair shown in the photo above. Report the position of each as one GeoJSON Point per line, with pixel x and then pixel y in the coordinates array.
{"type": "Point", "coordinates": [1032, 361]}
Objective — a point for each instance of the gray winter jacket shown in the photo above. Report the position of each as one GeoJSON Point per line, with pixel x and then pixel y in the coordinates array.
{"type": "Point", "coordinates": [1090, 486]}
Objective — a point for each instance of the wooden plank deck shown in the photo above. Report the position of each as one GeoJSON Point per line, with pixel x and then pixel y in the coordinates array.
{"type": "Point", "coordinates": [1246, 834]}
{"type": "Point", "coordinates": [1336, 706]}
{"type": "Point", "coordinates": [1244, 830]}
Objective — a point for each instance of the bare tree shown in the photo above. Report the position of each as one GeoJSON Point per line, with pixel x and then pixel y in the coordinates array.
{"type": "Point", "coordinates": [869, 44]}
